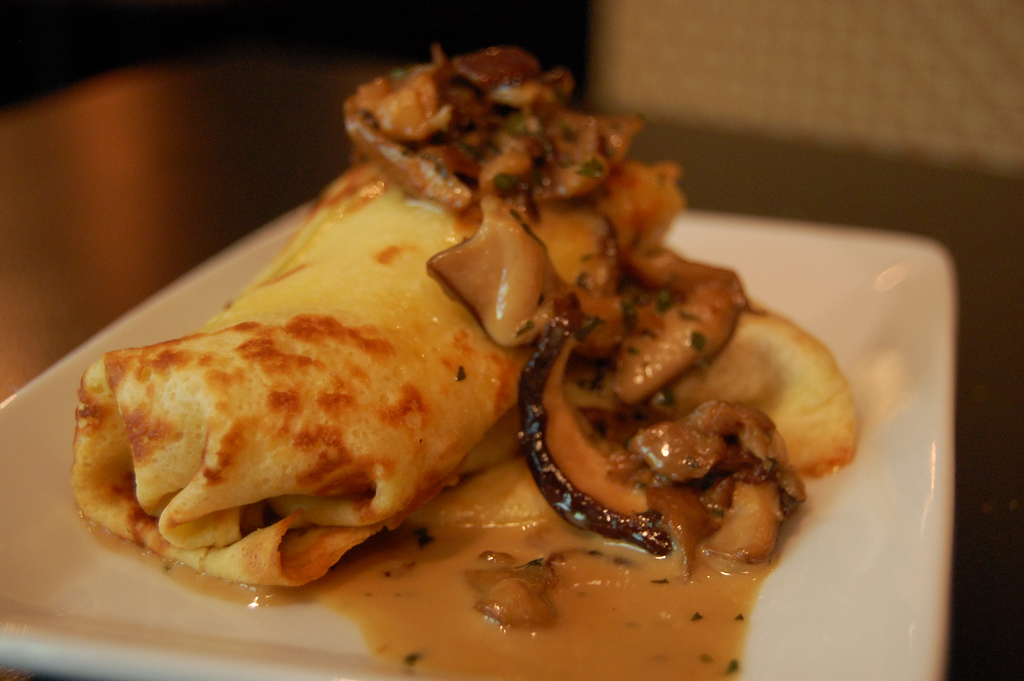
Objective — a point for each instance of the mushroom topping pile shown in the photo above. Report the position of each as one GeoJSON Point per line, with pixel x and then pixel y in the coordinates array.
{"type": "Point", "coordinates": [489, 135]}
{"type": "Point", "coordinates": [491, 122]}
{"type": "Point", "coordinates": [513, 595]}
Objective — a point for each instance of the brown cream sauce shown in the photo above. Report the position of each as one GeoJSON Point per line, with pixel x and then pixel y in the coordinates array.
{"type": "Point", "coordinates": [621, 613]}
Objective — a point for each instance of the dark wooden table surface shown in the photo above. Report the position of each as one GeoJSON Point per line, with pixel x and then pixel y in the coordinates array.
{"type": "Point", "coordinates": [111, 188]}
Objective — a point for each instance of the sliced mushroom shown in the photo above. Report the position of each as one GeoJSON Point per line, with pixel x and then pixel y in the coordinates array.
{"type": "Point", "coordinates": [677, 452]}
{"type": "Point", "coordinates": [688, 520]}
{"type": "Point", "coordinates": [497, 66]}
{"type": "Point", "coordinates": [502, 274]}
{"type": "Point", "coordinates": [729, 461]}
{"type": "Point", "coordinates": [700, 308]}
{"type": "Point", "coordinates": [514, 596]}
{"type": "Point", "coordinates": [748, 432]}
{"type": "Point", "coordinates": [419, 173]}
{"type": "Point", "coordinates": [750, 526]}
{"type": "Point", "coordinates": [387, 118]}
{"type": "Point", "coordinates": [440, 130]}
{"type": "Point", "coordinates": [551, 435]}
{"type": "Point", "coordinates": [409, 112]}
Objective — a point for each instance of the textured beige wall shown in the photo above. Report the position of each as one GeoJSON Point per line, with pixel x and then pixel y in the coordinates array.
{"type": "Point", "coordinates": [942, 80]}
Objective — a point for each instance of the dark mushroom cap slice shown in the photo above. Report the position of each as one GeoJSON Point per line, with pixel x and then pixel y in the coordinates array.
{"type": "Point", "coordinates": [579, 508]}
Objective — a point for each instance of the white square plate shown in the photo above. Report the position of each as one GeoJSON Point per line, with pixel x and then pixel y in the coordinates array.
{"type": "Point", "coordinates": [861, 591]}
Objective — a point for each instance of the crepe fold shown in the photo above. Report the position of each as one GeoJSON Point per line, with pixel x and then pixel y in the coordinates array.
{"type": "Point", "coordinates": [340, 391]}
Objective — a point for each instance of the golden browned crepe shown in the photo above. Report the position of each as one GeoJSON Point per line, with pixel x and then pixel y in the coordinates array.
{"type": "Point", "coordinates": [340, 391]}
{"type": "Point", "coordinates": [773, 365]}
{"type": "Point", "coordinates": [493, 245]}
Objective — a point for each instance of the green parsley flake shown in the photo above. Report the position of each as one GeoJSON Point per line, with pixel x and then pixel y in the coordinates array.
{"type": "Point", "coordinates": [629, 313]}
{"type": "Point", "coordinates": [470, 151]}
{"type": "Point", "coordinates": [506, 182]}
{"type": "Point", "coordinates": [518, 217]}
{"type": "Point", "coordinates": [588, 326]}
{"type": "Point", "coordinates": [734, 666]}
{"type": "Point", "coordinates": [698, 340]}
{"type": "Point", "coordinates": [696, 616]}
{"type": "Point", "coordinates": [516, 125]}
{"type": "Point", "coordinates": [423, 536]}
{"type": "Point", "coordinates": [592, 168]}
{"type": "Point", "coordinates": [461, 374]}
{"type": "Point", "coordinates": [663, 301]}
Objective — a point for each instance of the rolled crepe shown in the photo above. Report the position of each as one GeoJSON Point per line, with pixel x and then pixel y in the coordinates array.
{"type": "Point", "coordinates": [339, 392]}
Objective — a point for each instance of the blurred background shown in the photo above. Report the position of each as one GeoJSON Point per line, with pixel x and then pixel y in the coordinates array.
{"type": "Point", "coordinates": [940, 81]}
{"type": "Point", "coordinates": [139, 138]}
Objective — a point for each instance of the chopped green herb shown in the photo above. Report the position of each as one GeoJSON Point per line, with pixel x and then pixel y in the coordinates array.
{"type": "Point", "coordinates": [460, 375]}
{"type": "Point", "coordinates": [568, 132]}
{"type": "Point", "coordinates": [516, 125]}
{"type": "Point", "coordinates": [663, 580]}
{"type": "Point", "coordinates": [412, 658]}
{"type": "Point", "coordinates": [588, 326]}
{"type": "Point", "coordinates": [423, 537]}
{"type": "Point", "coordinates": [592, 168]}
{"type": "Point", "coordinates": [696, 616]}
{"type": "Point", "coordinates": [734, 666]}
{"type": "Point", "coordinates": [518, 217]}
{"type": "Point", "coordinates": [469, 150]}
{"type": "Point", "coordinates": [706, 658]}
{"type": "Point", "coordinates": [663, 301]}
{"type": "Point", "coordinates": [739, 617]}
{"type": "Point", "coordinates": [594, 383]}
{"type": "Point", "coordinates": [632, 350]}
{"type": "Point", "coordinates": [628, 313]}
{"type": "Point", "coordinates": [698, 340]}
{"type": "Point", "coordinates": [506, 182]}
